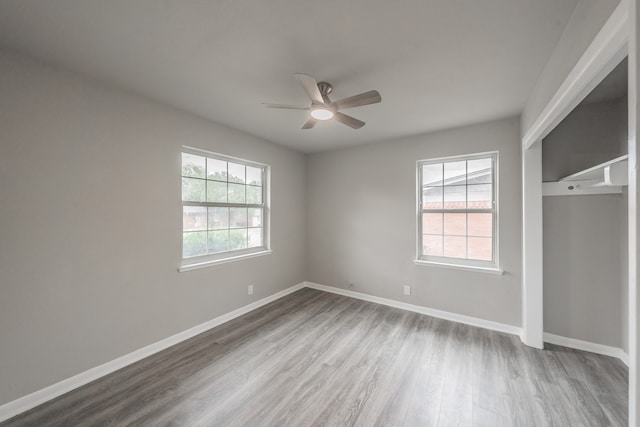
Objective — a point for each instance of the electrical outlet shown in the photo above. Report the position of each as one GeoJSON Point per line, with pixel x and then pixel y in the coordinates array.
{"type": "Point", "coordinates": [250, 290]}
{"type": "Point", "coordinates": [407, 290]}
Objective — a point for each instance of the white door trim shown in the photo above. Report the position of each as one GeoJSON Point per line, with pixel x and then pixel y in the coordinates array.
{"type": "Point", "coordinates": [608, 48]}
{"type": "Point", "coordinates": [606, 51]}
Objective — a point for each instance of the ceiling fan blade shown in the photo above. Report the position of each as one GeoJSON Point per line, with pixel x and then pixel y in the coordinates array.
{"type": "Point", "coordinates": [285, 106]}
{"type": "Point", "coordinates": [309, 123]}
{"type": "Point", "coordinates": [352, 122]}
{"type": "Point", "coordinates": [366, 98]}
{"type": "Point", "coordinates": [311, 87]}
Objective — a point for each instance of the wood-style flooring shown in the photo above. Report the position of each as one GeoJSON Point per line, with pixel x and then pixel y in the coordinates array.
{"type": "Point", "coordinates": [315, 358]}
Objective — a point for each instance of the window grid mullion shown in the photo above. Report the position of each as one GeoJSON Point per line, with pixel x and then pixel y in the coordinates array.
{"type": "Point", "coordinates": [486, 210]}
{"type": "Point", "coordinates": [222, 205]}
{"type": "Point", "coordinates": [466, 204]}
{"type": "Point", "coordinates": [442, 204]}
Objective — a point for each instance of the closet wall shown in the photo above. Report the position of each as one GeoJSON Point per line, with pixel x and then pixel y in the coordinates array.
{"type": "Point", "coordinates": [585, 252]}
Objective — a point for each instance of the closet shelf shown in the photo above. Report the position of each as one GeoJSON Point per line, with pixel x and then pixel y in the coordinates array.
{"type": "Point", "coordinates": [615, 169]}
{"type": "Point", "coordinates": [605, 178]}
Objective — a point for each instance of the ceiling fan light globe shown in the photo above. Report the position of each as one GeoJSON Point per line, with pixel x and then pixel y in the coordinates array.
{"type": "Point", "coordinates": [321, 114]}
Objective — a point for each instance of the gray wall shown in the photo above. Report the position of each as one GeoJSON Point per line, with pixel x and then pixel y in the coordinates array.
{"type": "Point", "coordinates": [90, 225]}
{"type": "Point", "coordinates": [582, 267]}
{"type": "Point", "coordinates": [361, 216]}
{"type": "Point", "coordinates": [585, 23]}
{"type": "Point", "coordinates": [589, 135]}
{"type": "Point", "coordinates": [585, 253]}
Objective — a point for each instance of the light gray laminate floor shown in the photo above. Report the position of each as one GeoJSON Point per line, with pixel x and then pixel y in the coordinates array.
{"type": "Point", "coordinates": [315, 358]}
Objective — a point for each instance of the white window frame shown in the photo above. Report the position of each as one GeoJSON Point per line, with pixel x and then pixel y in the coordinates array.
{"type": "Point", "coordinates": [492, 266]}
{"type": "Point", "coordinates": [195, 262]}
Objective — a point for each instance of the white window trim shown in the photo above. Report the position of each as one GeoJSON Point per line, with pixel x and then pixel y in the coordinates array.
{"type": "Point", "coordinates": [488, 270]}
{"type": "Point", "coordinates": [188, 266]}
{"type": "Point", "coordinates": [196, 262]}
{"type": "Point", "coordinates": [492, 267]}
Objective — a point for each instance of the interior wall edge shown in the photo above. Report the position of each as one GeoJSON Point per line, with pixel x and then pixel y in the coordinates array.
{"type": "Point", "coordinates": [440, 314]}
{"type": "Point", "coordinates": [603, 54]}
{"type": "Point", "coordinates": [99, 155]}
{"type": "Point", "coordinates": [589, 346]}
{"type": "Point", "coordinates": [31, 400]}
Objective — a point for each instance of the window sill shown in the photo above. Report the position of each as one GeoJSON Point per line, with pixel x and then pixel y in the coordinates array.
{"type": "Point", "coordinates": [487, 270]}
{"type": "Point", "coordinates": [188, 265]}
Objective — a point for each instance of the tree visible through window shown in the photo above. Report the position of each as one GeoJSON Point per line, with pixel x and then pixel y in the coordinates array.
{"type": "Point", "coordinates": [223, 206]}
{"type": "Point", "coordinates": [457, 205]}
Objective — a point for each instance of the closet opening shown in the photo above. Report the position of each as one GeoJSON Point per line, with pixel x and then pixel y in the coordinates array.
{"type": "Point", "coordinates": [585, 225]}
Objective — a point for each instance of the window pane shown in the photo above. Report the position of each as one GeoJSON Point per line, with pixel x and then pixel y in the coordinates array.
{"type": "Point", "coordinates": [455, 246]}
{"type": "Point", "coordinates": [237, 217]}
{"type": "Point", "coordinates": [237, 173]}
{"type": "Point", "coordinates": [452, 195]}
{"type": "Point", "coordinates": [237, 193]}
{"type": "Point", "coordinates": [221, 187]}
{"type": "Point", "coordinates": [480, 224]}
{"type": "Point", "coordinates": [432, 198]}
{"type": "Point", "coordinates": [218, 241]}
{"type": "Point", "coordinates": [194, 244]}
{"type": "Point", "coordinates": [192, 165]}
{"type": "Point", "coordinates": [480, 248]}
{"type": "Point", "coordinates": [193, 190]}
{"type": "Point", "coordinates": [455, 173]}
{"type": "Point", "coordinates": [218, 218]}
{"type": "Point", "coordinates": [194, 218]}
{"type": "Point", "coordinates": [255, 217]}
{"type": "Point", "coordinates": [455, 197]}
{"type": "Point", "coordinates": [255, 237]}
{"type": "Point", "coordinates": [479, 196]}
{"type": "Point", "coordinates": [432, 223]}
{"type": "Point", "coordinates": [479, 171]}
{"type": "Point", "coordinates": [216, 169]}
{"type": "Point", "coordinates": [455, 224]}
{"type": "Point", "coordinates": [254, 195]}
{"type": "Point", "coordinates": [237, 239]}
{"type": "Point", "coordinates": [432, 245]}
{"type": "Point", "coordinates": [216, 191]}
{"type": "Point", "coordinates": [254, 176]}
{"type": "Point", "coordinates": [432, 174]}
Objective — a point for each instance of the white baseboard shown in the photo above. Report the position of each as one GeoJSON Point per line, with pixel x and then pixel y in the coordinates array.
{"type": "Point", "coordinates": [36, 398]}
{"type": "Point", "coordinates": [446, 315]}
{"type": "Point", "coordinates": [481, 323]}
{"type": "Point", "coordinates": [591, 347]}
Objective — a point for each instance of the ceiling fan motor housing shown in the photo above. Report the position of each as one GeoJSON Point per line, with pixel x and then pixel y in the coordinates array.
{"type": "Point", "coordinates": [325, 89]}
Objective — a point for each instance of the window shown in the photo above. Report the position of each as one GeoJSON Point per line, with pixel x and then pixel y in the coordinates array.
{"type": "Point", "coordinates": [224, 208]}
{"type": "Point", "coordinates": [457, 211]}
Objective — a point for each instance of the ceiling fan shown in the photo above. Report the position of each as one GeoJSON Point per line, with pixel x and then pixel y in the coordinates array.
{"type": "Point", "coordinates": [322, 108]}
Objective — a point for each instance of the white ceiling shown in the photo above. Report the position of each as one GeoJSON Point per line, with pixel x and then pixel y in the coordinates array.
{"type": "Point", "coordinates": [436, 63]}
